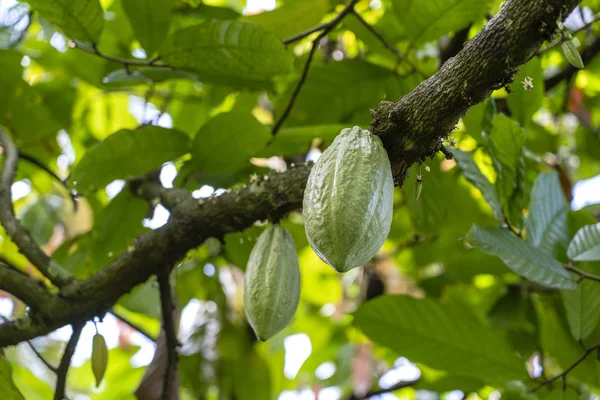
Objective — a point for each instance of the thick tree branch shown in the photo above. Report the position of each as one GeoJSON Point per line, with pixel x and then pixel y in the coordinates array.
{"type": "Point", "coordinates": [65, 362]}
{"type": "Point", "coordinates": [192, 222]}
{"type": "Point", "coordinates": [17, 232]}
{"type": "Point", "coordinates": [412, 127]}
{"type": "Point", "coordinates": [25, 288]}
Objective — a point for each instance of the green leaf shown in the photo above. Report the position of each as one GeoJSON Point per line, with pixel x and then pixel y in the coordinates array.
{"type": "Point", "coordinates": [521, 257]}
{"type": "Point", "coordinates": [41, 217]}
{"type": "Point", "coordinates": [440, 337]}
{"type": "Point", "coordinates": [585, 246]}
{"type": "Point", "coordinates": [251, 377]}
{"type": "Point", "coordinates": [473, 174]}
{"type": "Point", "coordinates": [546, 225]}
{"type": "Point", "coordinates": [234, 53]}
{"type": "Point", "coordinates": [126, 154]}
{"type": "Point", "coordinates": [226, 142]}
{"type": "Point", "coordinates": [524, 103]}
{"type": "Point", "coordinates": [7, 387]}
{"type": "Point", "coordinates": [116, 227]}
{"type": "Point", "coordinates": [143, 299]}
{"type": "Point", "coordinates": [79, 19]}
{"type": "Point", "coordinates": [572, 54]}
{"type": "Point", "coordinates": [343, 91]}
{"type": "Point", "coordinates": [559, 345]}
{"type": "Point", "coordinates": [150, 20]}
{"type": "Point", "coordinates": [297, 139]}
{"type": "Point", "coordinates": [582, 307]}
{"type": "Point", "coordinates": [292, 17]}
{"type": "Point", "coordinates": [421, 21]}
{"type": "Point", "coordinates": [505, 144]}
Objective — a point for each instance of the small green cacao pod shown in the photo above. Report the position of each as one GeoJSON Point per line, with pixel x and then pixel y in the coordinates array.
{"type": "Point", "coordinates": [348, 200]}
{"type": "Point", "coordinates": [99, 357]}
{"type": "Point", "coordinates": [272, 283]}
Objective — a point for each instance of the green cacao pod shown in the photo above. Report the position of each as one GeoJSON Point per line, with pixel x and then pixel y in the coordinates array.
{"type": "Point", "coordinates": [99, 357]}
{"type": "Point", "coordinates": [348, 200]}
{"type": "Point", "coordinates": [272, 283]}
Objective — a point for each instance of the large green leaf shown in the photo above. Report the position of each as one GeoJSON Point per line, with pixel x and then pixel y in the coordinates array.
{"type": "Point", "coordinates": [235, 53]}
{"type": "Point", "coordinates": [116, 227]}
{"type": "Point", "coordinates": [143, 299]}
{"type": "Point", "coordinates": [421, 21]}
{"type": "Point", "coordinates": [547, 226]}
{"type": "Point", "coordinates": [582, 307]}
{"type": "Point", "coordinates": [79, 19]}
{"type": "Point", "coordinates": [292, 17]}
{"type": "Point", "coordinates": [559, 345]}
{"type": "Point", "coordinates": [342, 92]}
{"type": "Point", "coordinates": [473, 174]}
{"type": "Point", "coordinates": [440, 337]}
{"type": "Point", "coordinates": [126, 154]}
{"type": "Point", "coordinates": [297, 139]}
{"type": "Point", "coordinates": [520, 256]}
{"type": "Point", "coordinates": [7, 387]}
{"type": "Point", "coordinates": [524, 103]}
{"type": "Point", "coordinates": [150, 20]}
{"type": "Point", "coordinates": [505, 144]}
{"type": "Point", "coordinates": [585, 246]}
{"type": "Point", "coordinates": [226, 142]}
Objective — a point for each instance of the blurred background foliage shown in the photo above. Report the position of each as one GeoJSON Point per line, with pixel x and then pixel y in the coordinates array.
{"type": "Point", "coordinates": [469, 324]}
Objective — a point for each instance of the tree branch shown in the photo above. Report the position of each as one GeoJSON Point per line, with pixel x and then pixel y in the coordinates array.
{"type": "Point", "coordinates": [410, 128]}
{"type": "Point", "coordinates": [25, 288]}
{"type": "Point", "coordinates": [563, 375]}
{"type": "Point", "coordinates": [190, 225]}
{"type": "Point", "coordinates": [582, 274]}
{"type": "Point", "coordinates": [50, 269]}
{"type": "Point", "coordinates": [65, 362]}
{"type": "Point", "coordinates": [167, 303]}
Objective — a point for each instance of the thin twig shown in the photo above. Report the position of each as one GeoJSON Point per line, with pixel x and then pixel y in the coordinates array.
{"type": "Point", "coordinates": [133, 325]}
{"type": "Point", "coordinates": [63, 182]}
{"type": "Point", "coordinates": [125, 61]}
{"type": "Point", "coordinates": [393, 388]}
{"type": "Point", "coordinates": [582, 274]}
{"type": "Point", "coordinates": [37, 353]}
{"type": "Point", "coordinates": [168, 317]}
{"type": "Point", "coordinates": [565, 38]}
{"type": "Point", "coordinates": [65, 362]}
{"type": "Point", "coordinates": [42, 359]}
{"type": "Point", "coordinates": [563, 375]}
{"type": "Point", "coordinates": [13, 227]}
{"type": "Point", "coordinates": [379, 36]}
{"type": "Point", "coordinates": [325, 28]}
{"type": "Point", "coordinates": [306, 33]}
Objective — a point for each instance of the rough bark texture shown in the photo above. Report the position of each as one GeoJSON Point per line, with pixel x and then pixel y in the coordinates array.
{"type": "Point", "coordinates": [410, 128]}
